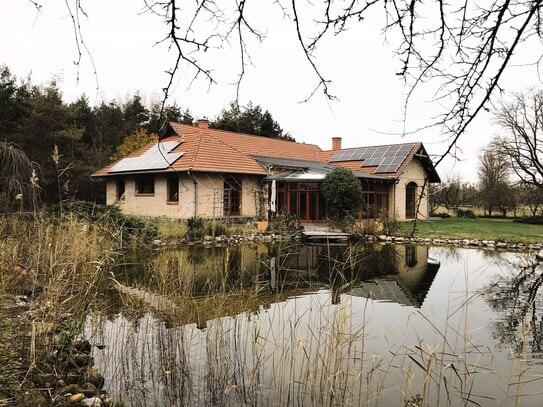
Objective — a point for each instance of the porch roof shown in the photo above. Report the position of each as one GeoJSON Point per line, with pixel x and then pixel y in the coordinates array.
{"type": "Point", "coordinates": [307, 170]}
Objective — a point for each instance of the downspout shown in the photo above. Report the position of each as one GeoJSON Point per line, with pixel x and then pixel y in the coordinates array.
{"type": "Point", "coordinates": [195, 192]}
{"type": "Point", "coordinates": [396, 182]}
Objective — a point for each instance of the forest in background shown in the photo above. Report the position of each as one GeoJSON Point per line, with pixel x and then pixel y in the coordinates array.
{"type": "Point", "coordinates": [69, 141]}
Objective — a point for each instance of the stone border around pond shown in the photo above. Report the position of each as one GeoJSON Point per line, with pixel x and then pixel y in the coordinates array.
{"type": "Point", "coordinates": [273, 238]}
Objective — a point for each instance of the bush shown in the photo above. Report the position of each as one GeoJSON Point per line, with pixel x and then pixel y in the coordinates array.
{"type": "Point", "coordinates": [196, 227]}
{"type": "Point", "coordinates": [134, 229]}
{"type": "Point", "coordinates": [466, 213]}
{"type": "Point", "coordinates": [532, 220]}
{"type": "Point", "coordinates": [343, 192]}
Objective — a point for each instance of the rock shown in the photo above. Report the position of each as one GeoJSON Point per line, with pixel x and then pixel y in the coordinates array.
{"type": "Point", "coordinates": [76, 398]}
{"type": "Point", "coordinates": [157, 242]}
{"type": "Point", "coordinates": [539, 255]}
{"type": "Point", "coordinates": [92, 402]}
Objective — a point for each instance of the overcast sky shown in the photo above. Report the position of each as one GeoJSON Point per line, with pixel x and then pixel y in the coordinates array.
{"type": "Point", "coordinates": [121, 41]}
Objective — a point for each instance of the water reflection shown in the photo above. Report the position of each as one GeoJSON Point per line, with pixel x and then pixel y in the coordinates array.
{"type": "Point", "coordinates": [224, 281]}
{"type": "Point", "coordinates": [323, 325]}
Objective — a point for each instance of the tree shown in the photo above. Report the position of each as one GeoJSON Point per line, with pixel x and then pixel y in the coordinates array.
{"type": "Point", "coordinates": [134, 141]}
{"type": "Point", "coordinates": [460, 51]}
{"type": "Point", "coordinates": [170, 113]}
{"type": "Point", "coordinates": [249, 119]}
{"type": "Point", "coordinates": [523, 142]}
{"type": "Point", "coordinates": [343, 192]}
{"type": "Point", "coordinates": [135, 114]}
{"type": "Point", "coordinates": [493, 180]}
{"type": "Point", "coordinates": [19, 187]}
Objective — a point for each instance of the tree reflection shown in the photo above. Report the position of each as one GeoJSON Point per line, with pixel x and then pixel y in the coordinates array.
{"type": "Point", "coordinates": [519, 298]}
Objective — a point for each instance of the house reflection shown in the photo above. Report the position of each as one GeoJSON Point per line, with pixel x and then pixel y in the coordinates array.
{"type": "Point", "coordinates": [198, 285]}
{"type": "Point", "coordinates": [395, 273]}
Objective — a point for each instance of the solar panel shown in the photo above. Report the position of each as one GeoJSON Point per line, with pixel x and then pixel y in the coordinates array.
{"type": "Point", "coordinates": [158, 157]}
{"type": "Point", "coordinates": [385, 158]}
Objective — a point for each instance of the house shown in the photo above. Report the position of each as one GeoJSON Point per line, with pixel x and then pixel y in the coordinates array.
{"type": "Point", "coordinates": [199, 171]}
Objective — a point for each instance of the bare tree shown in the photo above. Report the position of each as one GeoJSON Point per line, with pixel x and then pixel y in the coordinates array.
{"type": "Point", "coordinates": [493, 180]}
{"type": "Point", "coordinates": [460, 49]}
{"type": "Point", "coordinates": [523, 142]}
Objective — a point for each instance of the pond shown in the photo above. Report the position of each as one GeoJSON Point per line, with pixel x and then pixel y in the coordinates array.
{"type": "Point", "coordinates": [287, 324]}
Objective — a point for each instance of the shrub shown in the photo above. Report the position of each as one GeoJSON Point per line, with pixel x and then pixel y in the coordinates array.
{"type": "Point", "coordinates": [196, 227]}
{"type": "Point", "coordinates": [343, 192]}
{"type": "Point", "coordinates": [466, 213]}
{"type": "Point", "coordinates": [532, 220]}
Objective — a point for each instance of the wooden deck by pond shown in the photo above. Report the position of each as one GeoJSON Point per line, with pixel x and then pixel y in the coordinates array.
{"type": "Point", "coordinates": [325, 236]}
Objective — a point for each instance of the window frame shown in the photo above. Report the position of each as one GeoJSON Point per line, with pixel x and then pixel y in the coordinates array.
{"type": "Point", "coordinates": [142, 184]}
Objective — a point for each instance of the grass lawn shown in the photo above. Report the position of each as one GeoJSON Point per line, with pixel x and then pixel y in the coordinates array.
{"type": "Point", "coordinates": [478, 228]}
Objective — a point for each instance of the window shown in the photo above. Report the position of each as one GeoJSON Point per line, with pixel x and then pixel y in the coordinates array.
{"type": "Point", "coordinates": [375, 204]}
{"type": "Point", "coordinates": [173, 188]}
{"type": "Point", "coordinates": [145, 185]}
{"type": "Point", "coordinates": [232, 196]}
{"type": "Point", "coordinates": [119, 192]}
{"type": "Point", "coordinates": [411, 200]}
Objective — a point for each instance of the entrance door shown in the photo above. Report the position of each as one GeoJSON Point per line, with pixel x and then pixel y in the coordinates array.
{"type": "Point", "coordinates": [306, 202]}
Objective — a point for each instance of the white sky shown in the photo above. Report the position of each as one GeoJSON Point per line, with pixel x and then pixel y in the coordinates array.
{"type": "Point", "coordinates": [122, 43]}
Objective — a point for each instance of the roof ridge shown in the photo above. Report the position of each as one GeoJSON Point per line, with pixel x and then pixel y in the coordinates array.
{"type": "Point", "coordinates": [377, 145]}
{"type": "Point", "coordinates": [248, 134]}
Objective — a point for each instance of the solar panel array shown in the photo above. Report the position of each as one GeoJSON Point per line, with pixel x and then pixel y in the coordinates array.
{"type": "Point", "coordinates": [385, 158]}
{"type": "Point", "coordinates": [158, 157]}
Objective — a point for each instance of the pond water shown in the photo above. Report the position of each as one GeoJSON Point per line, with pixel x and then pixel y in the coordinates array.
{"type": "Point", "coordinates": [278, 325]}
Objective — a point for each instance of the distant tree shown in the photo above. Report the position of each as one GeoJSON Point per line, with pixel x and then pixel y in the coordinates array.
{"type": "Point", "coordinates": [250, 120]}
{"type": "Point", "coordinates": [522, 143]}
{"type": "Point", "coordinates": [14, 103]}
{"type": "Point", "coordinates": [135, 114]}
{"type": "Point", "coordinates": [532, 198]}
{"type": "Point", "coordinates": [343, 193]}
{"type": "Point", "coordinates": [493, 180]}
{"type": "Point", "coordinates": [171, 113]}
{"type": "Point", "coordinates": [133, 142]}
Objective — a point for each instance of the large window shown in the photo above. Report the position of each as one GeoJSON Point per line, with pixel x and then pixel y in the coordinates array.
{"type": "Point", "coordinates": [376, 201]}
{"type": "Point", "coordinates": [411, 200]}
{"type": "Point", "coordinates": [145, 185]}
{"type": "Point", "coordinates": [173, 188]}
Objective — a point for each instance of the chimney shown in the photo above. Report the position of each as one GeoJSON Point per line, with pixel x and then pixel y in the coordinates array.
{"type": "Point", "coordinates": [336, 143]}
{"type": "Point", "coordinates": [203, 123]}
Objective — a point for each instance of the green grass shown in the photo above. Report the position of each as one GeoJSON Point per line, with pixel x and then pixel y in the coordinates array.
{"type": "Point", "coordinates": [478, 228]}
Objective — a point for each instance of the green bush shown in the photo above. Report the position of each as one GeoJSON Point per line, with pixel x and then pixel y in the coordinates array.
{"type": "Point", "coordinates": [196, 227]}
{"type": "Point", "coordinates": [466, 213]}
{"type": "Point", "coordinates": [532, 220]}
{"type": "Point", "coordinates": [134, 229]}
{"type": "Point", "coordinates": [343, 192]}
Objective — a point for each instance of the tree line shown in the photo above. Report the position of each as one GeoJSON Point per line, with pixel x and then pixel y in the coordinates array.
{"type": "Point", "coordinates": [66, 142]}
{"type": "Point", "coordinates": [510, 171]}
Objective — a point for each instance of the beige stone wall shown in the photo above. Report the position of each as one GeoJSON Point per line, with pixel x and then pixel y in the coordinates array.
{"type": "Point", "coordinates": [414, 172]}
{"type": "Point", "coordinates": [208, 189]}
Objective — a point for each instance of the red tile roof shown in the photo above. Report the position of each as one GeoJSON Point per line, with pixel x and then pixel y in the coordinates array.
{"type": "Point", "coordinates": [213, 150]}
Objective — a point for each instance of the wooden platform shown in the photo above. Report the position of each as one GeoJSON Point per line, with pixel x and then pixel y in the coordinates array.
{"type": "Point", "coordinates": [324, 236]}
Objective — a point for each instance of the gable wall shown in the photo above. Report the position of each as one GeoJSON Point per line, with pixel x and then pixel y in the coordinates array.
{"type": "Point", "coordinates": [414, 172]}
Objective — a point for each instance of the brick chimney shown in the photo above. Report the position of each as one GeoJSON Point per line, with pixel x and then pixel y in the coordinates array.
{"type": "Point", "coordinates": [203, 123]}
{"type": "Point", "coordinates": [336, 143]}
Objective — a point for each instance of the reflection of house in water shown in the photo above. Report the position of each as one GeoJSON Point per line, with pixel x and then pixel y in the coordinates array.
{"type": "Point", "coordinates": [395, 273]}
{"type": "Point", "coordinates": [196, 286]}
{"type": "Point", "coordinates": [414, 275]}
